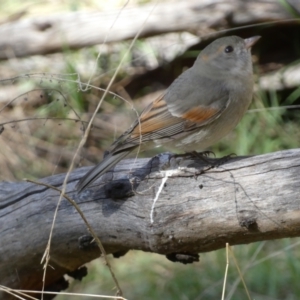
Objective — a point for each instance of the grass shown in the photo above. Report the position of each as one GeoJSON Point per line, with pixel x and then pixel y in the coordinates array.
{"type": "Point", "coordinates": [151, 276]}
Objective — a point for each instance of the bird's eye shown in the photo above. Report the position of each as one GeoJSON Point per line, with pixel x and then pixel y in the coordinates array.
{"type": "Point", "coordinates": [228, 49]}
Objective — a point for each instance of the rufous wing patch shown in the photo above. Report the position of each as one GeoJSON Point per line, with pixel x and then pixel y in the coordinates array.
{"type": "Point", "coordinates": [200, 114]}
{"type": "Point", "coordinates": [155, 118]}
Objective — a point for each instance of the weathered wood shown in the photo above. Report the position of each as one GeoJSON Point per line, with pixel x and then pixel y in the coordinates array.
{"type": "Point", "coordinates": [51, 33]}
{"type": "Point", "coordinates": [242, 201]}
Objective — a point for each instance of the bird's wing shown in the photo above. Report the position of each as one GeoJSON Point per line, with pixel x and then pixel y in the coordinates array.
{"type": "Point", "coordinates": [157, 122]}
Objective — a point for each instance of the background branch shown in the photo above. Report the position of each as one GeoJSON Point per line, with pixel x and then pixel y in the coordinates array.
{"type": "Point", "coordinates": [48, 34]}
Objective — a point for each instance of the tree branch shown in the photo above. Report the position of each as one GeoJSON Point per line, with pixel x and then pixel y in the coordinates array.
{"type": "Point", "coordinates": [242, 201]}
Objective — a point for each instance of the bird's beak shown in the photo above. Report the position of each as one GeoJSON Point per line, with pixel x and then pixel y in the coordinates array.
{"type": "Point", "coordinates": [251, 41]}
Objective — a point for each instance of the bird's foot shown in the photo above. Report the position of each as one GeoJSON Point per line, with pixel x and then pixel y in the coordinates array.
{"type": "Point", "coordinates": [204, 155]}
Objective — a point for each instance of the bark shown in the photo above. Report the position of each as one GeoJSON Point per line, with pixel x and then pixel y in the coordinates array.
{"type": "Point", "coordinates": [244, 200]}
{"type": "Point", "coordinates": [52, 33]}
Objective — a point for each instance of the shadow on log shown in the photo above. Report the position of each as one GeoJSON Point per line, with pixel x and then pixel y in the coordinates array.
{"type": "Point", "coordinates": [197, 209]}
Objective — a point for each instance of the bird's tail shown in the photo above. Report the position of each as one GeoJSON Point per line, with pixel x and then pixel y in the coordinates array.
{"type": "Point", "coordinates": [107, 163]}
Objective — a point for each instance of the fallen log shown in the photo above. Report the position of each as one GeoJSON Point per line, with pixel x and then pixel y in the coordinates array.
{"type": "Point", "coordinates": [180, 211]}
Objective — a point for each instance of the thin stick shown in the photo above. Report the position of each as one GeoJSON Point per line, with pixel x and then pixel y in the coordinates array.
{"type": "Point", "coordinates": [46, 255]}
{"type": "Point", "coordinates": [69, 294]}
{"type": "Point", "coordinates": [240, 273]}
{"type": "Point", "coordinates": [16, 293]}
{"type": "Point", "coordinates": [226, 271]}
{"type": "Point", "coordinates": [88, 226]}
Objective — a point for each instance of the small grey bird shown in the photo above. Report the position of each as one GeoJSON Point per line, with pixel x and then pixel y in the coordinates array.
{"type": "Point", "coordinates": [199, 108]}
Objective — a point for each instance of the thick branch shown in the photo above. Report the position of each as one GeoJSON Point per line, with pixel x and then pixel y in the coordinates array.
{"type": "Point", "coordinates": [242, 201]}
{"type": "Point", "coordinates": [47, 34]}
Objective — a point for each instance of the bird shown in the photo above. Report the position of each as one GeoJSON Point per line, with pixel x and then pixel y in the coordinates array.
{"type": "Point", "coordinates": [199, 108]}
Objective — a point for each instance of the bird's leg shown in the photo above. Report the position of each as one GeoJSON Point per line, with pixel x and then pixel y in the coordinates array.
{"type": "Point", "coordinates": [224, 159]}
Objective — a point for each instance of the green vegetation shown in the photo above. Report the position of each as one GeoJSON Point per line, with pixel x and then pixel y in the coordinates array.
{"type": "Point", "coordinates": [151, 276]}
